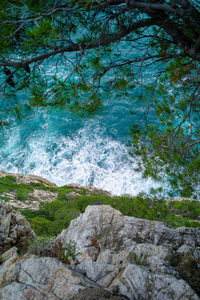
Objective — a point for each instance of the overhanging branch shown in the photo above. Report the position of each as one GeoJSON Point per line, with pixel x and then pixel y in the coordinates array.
{"type": "Point", "coordinates": [82, 47]}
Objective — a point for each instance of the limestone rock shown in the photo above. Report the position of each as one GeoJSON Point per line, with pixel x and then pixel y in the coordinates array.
{"type": "Point", "coordinates": [117, 257]}
{"type": "Point", "coordinates": [41, 278]}
{"type": "Point", "coordinates": [132, 257]}
{"type": "Point", "coordinates": [12, 252]}
{"type": "Point", "coordinates": [95, 294]}
{"type": "Point", "coordinates": [88, 189]}
{"type": "Point", "coordinates": [27, 179]}
{"type": "Point", "coordinates": [14, 229]}
{"type": "Point", "coordinates": [118, 232]}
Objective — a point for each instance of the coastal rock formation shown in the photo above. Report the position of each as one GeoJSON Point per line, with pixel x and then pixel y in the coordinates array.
{"type": "Point", "coordinates": [137, 258]}
{"type": "Point", "coordinates": [46, 192]}
{"type": "Point", "coordinates": [116, 257]}
{"type": "Point", "coordinates": [35, 277]}
{"type": "Point", "coordinates": [14, 229]}
{"type": "Point", "coordinates": [27, 179]}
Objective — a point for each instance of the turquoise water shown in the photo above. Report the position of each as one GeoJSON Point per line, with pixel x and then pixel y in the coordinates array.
{"type": "Point", "coordinates": [65, 149]}
{"type": "Point", "coordinates": [92, 151]}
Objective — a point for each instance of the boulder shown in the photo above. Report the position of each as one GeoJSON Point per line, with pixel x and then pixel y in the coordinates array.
{"type": "Point", "coordinates": [134, 257]}
{"type": "Point", "coordinates": [35, 277]}
{"type": "Point", "coordinates": [14, 229]}
{"type": "Point", "coordinates": [115, 257]}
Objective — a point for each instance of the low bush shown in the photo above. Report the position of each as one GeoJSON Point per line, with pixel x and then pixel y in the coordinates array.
{"type": "Point", "coordinates": [46, 246]}
{"type": "Point", "coordinates": [22, 194]}
{"type": "Point", "coordinates": [52, 217]}
{"type": "Point", "coordinates": [55, 216]}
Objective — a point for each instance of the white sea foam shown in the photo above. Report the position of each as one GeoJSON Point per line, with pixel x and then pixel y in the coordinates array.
{"type": "Point", "coordinates": [87, 157]}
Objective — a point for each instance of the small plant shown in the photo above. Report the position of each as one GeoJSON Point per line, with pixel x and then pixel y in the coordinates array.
{"type": "Point", "coordinates": [68, 252]}
{"type": "Point", "coordinates": [138, 260]}
{"type": "Point", "coordinates": [46, 246]}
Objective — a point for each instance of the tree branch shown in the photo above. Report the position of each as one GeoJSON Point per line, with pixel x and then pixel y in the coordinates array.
{"type": "Point", "coordinates": [76, 47]}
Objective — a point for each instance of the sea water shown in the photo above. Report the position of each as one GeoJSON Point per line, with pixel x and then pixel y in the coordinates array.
{"type": "Point", "coordinates": [90, 151]}
{"type": "Point", "coordinates": [64, 148]}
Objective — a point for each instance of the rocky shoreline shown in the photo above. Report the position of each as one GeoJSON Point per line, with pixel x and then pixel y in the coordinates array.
{"type": "Point", "coordinates": [102, 254]}
{"type": "Point", "coordinates": [37, 196]}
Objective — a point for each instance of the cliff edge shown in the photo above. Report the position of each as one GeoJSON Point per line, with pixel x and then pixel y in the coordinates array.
{"type": "Point", "coordinates": [101, 253]}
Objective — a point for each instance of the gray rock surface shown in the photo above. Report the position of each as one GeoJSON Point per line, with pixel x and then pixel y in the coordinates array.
{"type": "Point", "coordinates": [132, 257]}
{"type": "Point", "coordinates": [35, 277]}
{"type": "Point", "coordinates": [95, 294]}
{"type": "Point", "coordinates": [119, 257]}
{"type": "Point", "coordinates": [14, 229]}
{"type": "Point", "coordinates": [118, 232]}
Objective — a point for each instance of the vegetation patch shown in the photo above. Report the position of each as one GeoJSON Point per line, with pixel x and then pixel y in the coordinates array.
{"type": "Point", "coordinates": [46, 246]}
{"type": "Point", "coordinates": [137, 259]}
{"type": "Point", "coordinates": [40, 186]}
{"type": "Point", "coordinates": [8, 179]}
{"type": "Point", "coordinates": [6, 199]}
{"type": "Point", "coordinates": [53, 217]}
{"type": "Point", "coordinates": [22, 194]}
{"type": "Point", "coordinates": [8, 184]}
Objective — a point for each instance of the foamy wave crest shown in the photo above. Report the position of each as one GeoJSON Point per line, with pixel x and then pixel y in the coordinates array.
{"type": "Point", "coordinates": [88, 157]}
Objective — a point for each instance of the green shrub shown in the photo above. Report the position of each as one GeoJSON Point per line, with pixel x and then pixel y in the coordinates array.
{"type": "Point", "coordinates": [62, 196]}
{"type": "Point", "coordinates": [39, 185]}
{"type": "Point", "coordinates": [22, 194]}
{"type": "Point", "coordinates": [66, 215]}
{"type": "Point", "coordinates": [9, 180]}
{"type": "Point", "coordinates": [53, 217]}
{"type": "Point", "coordinates": [57, 226]}
{"type": "Point", "coordinates": [28, 213]}
{"type": "Point", "coordinates": [6, 184]}
{"type": "Point", "coordinates": [81, 202]}
{"type": "Point", "coordinates": [41, 226]}
{"type": "Point", "coordinates": [49, 209]}
{"type": "Point", "coordinates": [68, 252]}
{"type": "Point", "coordinates": [6, 199]}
